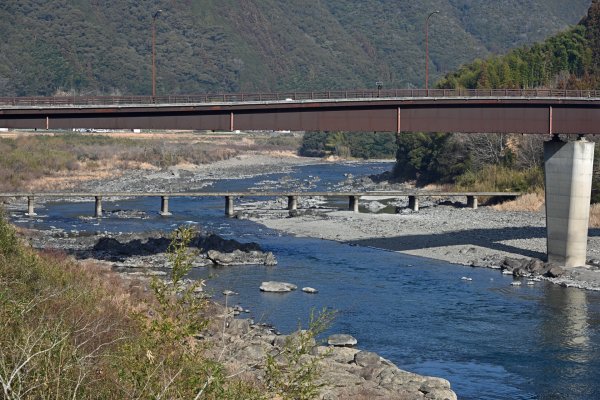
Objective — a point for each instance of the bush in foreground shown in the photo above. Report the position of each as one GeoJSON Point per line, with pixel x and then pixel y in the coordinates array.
{"type": "Point", "coordinates": [70, 331]}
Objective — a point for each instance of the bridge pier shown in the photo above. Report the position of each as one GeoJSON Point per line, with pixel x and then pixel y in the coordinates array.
{"type": "Point", "coordinates": [164, 206]}
{"type": "Point", "coordinates": [472, 202]}
{"type": "Point", "coordinates": [353, 203]}
{"type": "Point", "coordinates": [229, 206]}
{"type": "Point", "coordinates": [30, 207]}
{"type": "Point", "coordinates": [413, 203]}
{"type": "Point", "coordinates": [98, 213]}
{"type": "Point", "coordinates": [292, 203]}
{"type": "Point", "coordinates": [568, 170]}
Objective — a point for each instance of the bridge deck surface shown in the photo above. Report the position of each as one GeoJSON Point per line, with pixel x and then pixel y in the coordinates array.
{"type": "Point", "coordinates": [257, 194]}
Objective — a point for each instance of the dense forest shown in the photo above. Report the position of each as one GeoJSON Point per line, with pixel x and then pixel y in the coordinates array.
{"type": "Point", "coordinates": [92, 47]}
{"type": "Point", "coordinates": [349, 144]}
{"type": "Point", "coordinates": [568, 60]}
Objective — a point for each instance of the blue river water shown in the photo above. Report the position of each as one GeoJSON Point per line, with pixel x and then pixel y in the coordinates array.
{"type": "Point", "coordinates": [489, 339]}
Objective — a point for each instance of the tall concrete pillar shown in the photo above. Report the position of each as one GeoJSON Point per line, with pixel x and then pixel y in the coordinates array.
{"type": "Point", "coordinates": [98, 213]}
{"type": "Point", "coordinates": [30, 207]}
{"type": "Point", "coordinates": [353, 203]}
{"type": "Point", "coordinates": [472, 202]}
{"type": "Point", "coordinates": [568, 177]}
{"type": "Point", "coordinates": [164, 206]}
{"type": "Point", "coordinates": [229, 206]}
{"type": "Point", "coordinates": [413, 203]}
{"type": "Point", "coordinates": [292, 203]}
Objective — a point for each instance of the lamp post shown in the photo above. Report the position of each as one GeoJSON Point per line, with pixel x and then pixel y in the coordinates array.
{"type": "Point", "coordinates": [154, 16]}
{"type": "Point", "coordinates": [427, 51]}
{"type": "Point", "coordinates": [379, 86]}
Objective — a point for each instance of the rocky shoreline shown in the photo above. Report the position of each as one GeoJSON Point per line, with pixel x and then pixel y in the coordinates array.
{"type": "Point", "coordinates": [442, 230]}
{"type": "Point", "coordinates": [346, 372]}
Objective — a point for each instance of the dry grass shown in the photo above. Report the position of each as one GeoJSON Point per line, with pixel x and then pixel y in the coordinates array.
{"type": "Point", "coordinates": [527, 202]}
{"type": "Point", "coordinates": [535, 202]}
{"type": "Point", "coordinates": [59, 161]}
{"type": "Point", "coordinates": [439, 187]}
{"type": "Point", "coordinates": [595, 216]}
{"type": "Point", "coordinates": [77, 330]}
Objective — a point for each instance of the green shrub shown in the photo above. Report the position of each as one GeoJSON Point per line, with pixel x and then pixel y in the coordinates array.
{"type": "Point", "coordinates": [499, 178]}
{"type": "Point", "coordinates": [74, 332]}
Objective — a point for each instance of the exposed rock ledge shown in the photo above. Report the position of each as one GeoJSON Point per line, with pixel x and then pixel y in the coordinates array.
{"type": "Point", "coordinates": [346, 372]}
{"type": "Point", "coordinates": [148, 250]}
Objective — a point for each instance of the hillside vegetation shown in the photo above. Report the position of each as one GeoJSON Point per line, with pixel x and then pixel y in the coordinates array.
{"type": "Point", "coordinates": [78, 331]}
{"type": "Point", "coordinates": [91, 47]}
{"type": "Point", "coordinates": [568, 60]}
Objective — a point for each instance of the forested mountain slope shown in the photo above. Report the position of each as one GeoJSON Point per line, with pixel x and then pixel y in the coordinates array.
{"type": "Point", "coordinates": [96, 47]}
{"type": "Point", "coordinates": [568, 60]}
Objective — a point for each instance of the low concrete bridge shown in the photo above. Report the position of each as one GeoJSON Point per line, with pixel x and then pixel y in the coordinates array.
{"type": "Point", "coordinates": [353, 197]}
{"type": "Point", "coordinates": [568, 165]}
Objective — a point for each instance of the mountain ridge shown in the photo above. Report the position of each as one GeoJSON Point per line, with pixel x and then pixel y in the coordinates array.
{"type": "Point", "coordinates": [88, 47]}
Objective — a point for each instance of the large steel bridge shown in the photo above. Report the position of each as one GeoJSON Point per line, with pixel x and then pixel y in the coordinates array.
{"type": "Point", "coordinates": [401, 110]}
{"type": "Point", "coordinates": [568, 165]}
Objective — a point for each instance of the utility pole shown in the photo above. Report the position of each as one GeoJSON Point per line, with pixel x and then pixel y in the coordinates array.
{"type": "Point", "coordinates": [154, 16]}
{"type": "Point", "coordinates": [427, 51]}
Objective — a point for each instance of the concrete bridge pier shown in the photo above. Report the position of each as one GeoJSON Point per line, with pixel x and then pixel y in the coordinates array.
{"type": "Point", "coordinates": [164, 206]}
{"type": "Point", "coordinates": [98, 213]}
{"type": "Point", "coordinates": [472, 202]}
{"type": "Point", "coordinates": [353, 203]}
{"type": "Point", "coordinates": [30, 208]}
{"type": "Point", "coordinates": [413, 203]}
{"type": "Point", "coordinates": [229, 206]}
{"type": "Point", "coordinates": [568, 168]}
{"type": "Point", "coordinates": [292, 203]}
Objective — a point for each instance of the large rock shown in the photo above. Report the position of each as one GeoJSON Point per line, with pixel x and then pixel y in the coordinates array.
{"type": "Point", "coordinates": [366, 358]}
{"type": "Point", "coordinates": [520, 272]}
{"type": "Point", "coordinates": [277, 287]}
{"type": "Point", "coordinates": [535, 266]}
{"type": "Point", "coordinates": [342, 355]}
{"type": "Point", "coordinates": [374, 206]}
{"type": "Point", "coordinates": [342, 340]}
{"type": "Point", "coordinates": [238, 327]}
{"type": "Point", "coordinates": [239, 257]}
{"type": "Point", "coordinates": [555, 272]}
{"type": "Point", "coordinates": [511, 264]}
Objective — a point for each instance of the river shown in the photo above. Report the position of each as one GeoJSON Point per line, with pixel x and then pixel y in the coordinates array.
{"type": "Point", "coordinates": [489, 339]}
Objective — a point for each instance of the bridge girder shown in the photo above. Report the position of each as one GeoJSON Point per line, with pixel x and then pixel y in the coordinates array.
{"type": "Point", "coordinates": [501, 115]}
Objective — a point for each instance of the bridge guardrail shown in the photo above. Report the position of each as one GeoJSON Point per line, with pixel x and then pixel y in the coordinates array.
{"type": "Point", "coordinates": [293, 96]}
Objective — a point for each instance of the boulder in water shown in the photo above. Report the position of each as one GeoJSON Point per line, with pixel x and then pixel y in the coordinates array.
{"type": "Point", "coordinates": [277, 287]}
{"type": "Point", "coordinates": [342, 340]}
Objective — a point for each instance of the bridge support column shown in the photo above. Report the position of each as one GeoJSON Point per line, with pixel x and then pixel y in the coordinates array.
{"type": "Point", "coordinates": [30, 208]}
{"type": "Point", "coordinates": [568, 177]}
{"type": "Point", "coordinates": [472, 202]}
{"type": "Point", "coordinates": [292, 203]}
{"type": "Point", "coordinates": [164, 206]}
{"type": "Point", "coordinates": [413, 203]}
{"type": "Point", "coordinates": [98, 213]}
{"type": "Point", "coordinates": [353, 203]}
{"type": "Point", "coordinates": [229, 206]}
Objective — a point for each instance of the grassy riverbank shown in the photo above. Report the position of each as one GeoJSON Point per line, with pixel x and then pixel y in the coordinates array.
{"type": "Point", "coordinates": [35, 161]}
{"type": "Point", "coordinates": [73, 330]}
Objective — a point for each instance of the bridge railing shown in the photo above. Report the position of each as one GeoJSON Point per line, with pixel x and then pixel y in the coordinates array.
{"type": "Point", "coordinates": [353, 94]}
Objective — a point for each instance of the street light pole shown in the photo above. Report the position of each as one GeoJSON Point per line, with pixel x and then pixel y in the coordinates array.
{"type": "Point", "coordinates": [154, 16]}
{"type": "Point", "coordinates": [427, 51]}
